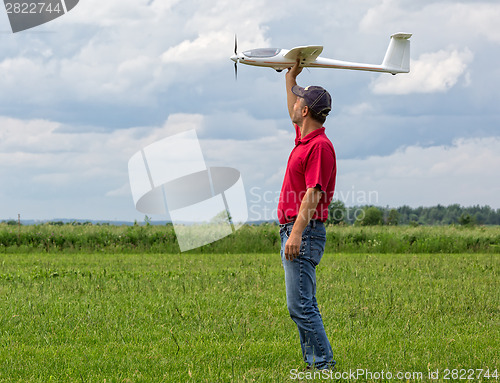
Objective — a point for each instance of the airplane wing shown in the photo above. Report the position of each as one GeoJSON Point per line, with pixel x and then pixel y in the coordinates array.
{"type": "Point", "coordinates": [309, 53]}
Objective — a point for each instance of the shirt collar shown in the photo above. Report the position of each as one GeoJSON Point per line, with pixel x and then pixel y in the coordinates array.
{"type": "Point", "coordinates": [310, 136]}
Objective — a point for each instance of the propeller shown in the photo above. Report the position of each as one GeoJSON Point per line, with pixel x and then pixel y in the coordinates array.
{"type": "Point", "coordinates": [235, 57]}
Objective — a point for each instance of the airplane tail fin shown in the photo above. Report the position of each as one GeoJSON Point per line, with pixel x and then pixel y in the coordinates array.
{"type": "Point", "coordinates": [397, 56]}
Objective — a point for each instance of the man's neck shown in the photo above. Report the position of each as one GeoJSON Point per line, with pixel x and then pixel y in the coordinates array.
{"type": "Point", "coordinates": [309, 126]}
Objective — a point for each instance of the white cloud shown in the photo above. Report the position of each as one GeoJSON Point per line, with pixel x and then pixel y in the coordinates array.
{"type": "Point", "coordinates": [116, 13]}
{"type": "Point", "coordinates": [436, 21]}
{"type": "Point", "coordinates": [113, 62]}
{"type": "Point", "coordinates": [127, 52]}
{"type": "Point", "coordinates": [41, 149]}
{"type": "Point", "coordinates": [458, 173]}
{"type": "Point", "coordinates": [215, 24]}
{"type": "Point", "coordinates": [359, 109]}
{"type": "Point", "coordinates": [44, 160]}
{"type": "Point", "coordinates": [430, 73]}
{"type": "Point", "coordinates": [211, 46]}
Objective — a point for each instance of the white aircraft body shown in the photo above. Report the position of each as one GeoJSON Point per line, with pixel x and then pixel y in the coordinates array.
{"type": "Point", "coordinates": [396, 60]}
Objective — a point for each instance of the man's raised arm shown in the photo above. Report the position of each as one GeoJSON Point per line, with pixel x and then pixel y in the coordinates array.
{"type": "Point", "coordinates": [291, 81]}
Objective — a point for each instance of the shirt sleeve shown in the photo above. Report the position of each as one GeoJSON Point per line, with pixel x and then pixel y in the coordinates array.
{"type": "Point", "coordinates": [319, 167]}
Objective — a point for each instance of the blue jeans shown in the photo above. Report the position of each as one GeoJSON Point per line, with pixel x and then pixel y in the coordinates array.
{"type": "Point", "coordinates": [300, 280]}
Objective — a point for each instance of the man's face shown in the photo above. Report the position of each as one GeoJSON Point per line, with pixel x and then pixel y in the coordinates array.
{"type": "Point", "coordinates": [298, 107]}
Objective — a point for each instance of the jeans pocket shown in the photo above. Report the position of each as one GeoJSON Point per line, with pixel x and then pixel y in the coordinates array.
{"type": "Point", "coordinates": [317, 248]}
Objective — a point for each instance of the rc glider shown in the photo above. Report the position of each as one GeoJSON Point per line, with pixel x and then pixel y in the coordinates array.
{"type": "Point", "coordinates": [396, 60]}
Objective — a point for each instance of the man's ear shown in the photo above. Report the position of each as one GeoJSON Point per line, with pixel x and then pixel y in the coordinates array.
{"type": "Point", "coordinates": [305, 111]}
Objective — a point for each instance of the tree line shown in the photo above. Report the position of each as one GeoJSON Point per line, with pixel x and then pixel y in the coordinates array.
{"type": "Point", "coordinates": [406, 215]}
{"type": "Point", "coordinates": [371, 215]}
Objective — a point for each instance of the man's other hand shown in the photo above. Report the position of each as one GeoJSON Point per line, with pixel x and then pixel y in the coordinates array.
{"type": "Point", "coordinates": [292, 246]}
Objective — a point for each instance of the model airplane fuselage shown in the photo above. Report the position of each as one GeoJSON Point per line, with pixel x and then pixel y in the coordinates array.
{"type": "Point", "coordinates": [396, 60]}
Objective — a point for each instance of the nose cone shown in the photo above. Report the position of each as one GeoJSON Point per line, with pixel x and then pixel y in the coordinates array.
{"type": "Point", "coordinates": [234, 58]}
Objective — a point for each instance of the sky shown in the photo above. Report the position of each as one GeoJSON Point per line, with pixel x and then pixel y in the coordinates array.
{"type": "Point", "coordinates": [80, 95]}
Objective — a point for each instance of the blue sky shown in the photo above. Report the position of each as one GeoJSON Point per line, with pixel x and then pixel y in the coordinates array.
{"type": "Point", "coordinates": [81, 94]}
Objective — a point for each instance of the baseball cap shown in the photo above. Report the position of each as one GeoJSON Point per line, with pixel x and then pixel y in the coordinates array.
{"type": "Point", "coordinates": [317, 98]}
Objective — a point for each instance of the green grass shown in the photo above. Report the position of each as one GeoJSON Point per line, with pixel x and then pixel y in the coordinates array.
{"type": "Point", "coordinates": [255, 239]}
{"type": "Point", "coordinates": [222, 318]}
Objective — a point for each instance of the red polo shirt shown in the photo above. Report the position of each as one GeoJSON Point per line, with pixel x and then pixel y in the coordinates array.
{"type": "Point", "coordinates": [311, 164]}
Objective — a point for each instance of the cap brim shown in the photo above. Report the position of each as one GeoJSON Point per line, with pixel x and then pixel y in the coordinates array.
{"type": "Point", "coordinates": [298, 91]}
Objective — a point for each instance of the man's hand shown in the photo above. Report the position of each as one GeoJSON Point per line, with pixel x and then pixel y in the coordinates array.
{"type": "Point", "coordinates": [295, 70]}
{"type": "Point", "coordinates": [292, 246]}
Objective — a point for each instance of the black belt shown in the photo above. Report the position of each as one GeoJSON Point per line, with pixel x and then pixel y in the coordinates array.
{"type": "Point", "coordinates": [313, 223]}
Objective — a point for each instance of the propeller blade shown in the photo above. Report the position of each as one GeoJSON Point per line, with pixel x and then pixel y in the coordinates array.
{"type": "Point", "coordinates": [236, 71]}
{"type": "Point", "coordinates": [235, 45]}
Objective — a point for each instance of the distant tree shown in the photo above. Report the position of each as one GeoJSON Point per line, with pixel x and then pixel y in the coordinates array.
{"type": "Point", "coordinates": [413, 219]}
{"type": "Point", "coordinates": [495, 217]}
{"type": "Point", "coordinates": [466, 220]}
{"type": "Point", "coordinates": [404, 214]}
{"type": "Point", "coordinates": [55, 223]}
{"type": "Point", "coordinates": [336, 213]}
{"type": "Point", "coordinates": [434, 215]}
{"type": "Point", "coordinates": [393, 217]}
{"type": "Point", "coordinates": [372, 216]}
{"type": "Point", "coordinates": [454, 213]}
{"type": "Point", "coordinates": [221, 218]}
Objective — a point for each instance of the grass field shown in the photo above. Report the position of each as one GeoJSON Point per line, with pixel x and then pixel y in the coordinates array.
{"type": "Point", "coordinates": [249, 239]}
{"type": "Point", "coordinates": [93, 317]}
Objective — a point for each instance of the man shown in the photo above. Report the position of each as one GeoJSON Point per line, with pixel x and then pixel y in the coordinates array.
{"type": "Point", "coordinates": [306, 193]}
